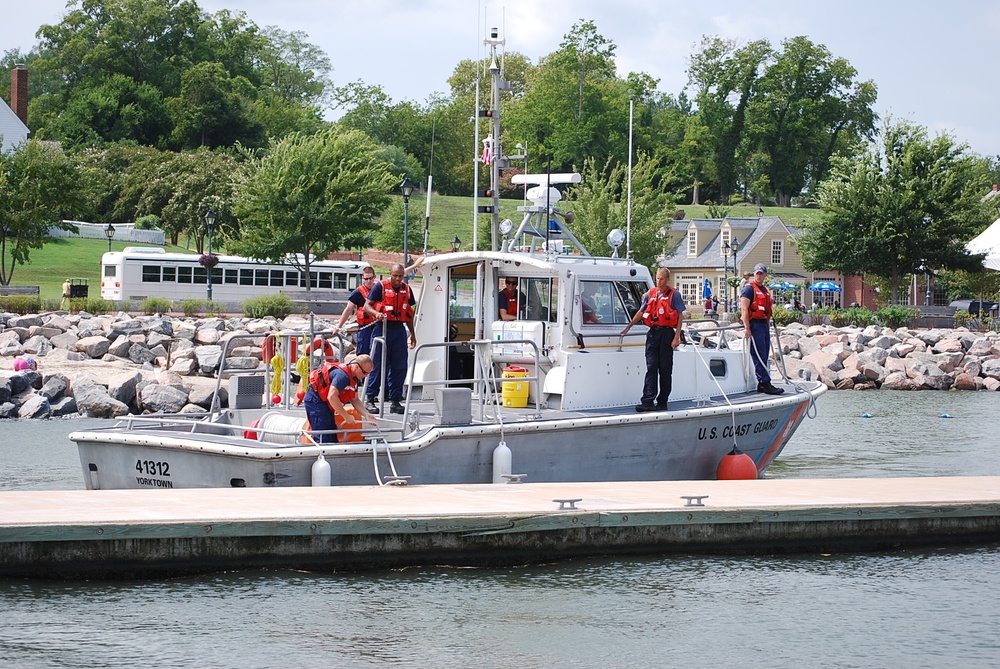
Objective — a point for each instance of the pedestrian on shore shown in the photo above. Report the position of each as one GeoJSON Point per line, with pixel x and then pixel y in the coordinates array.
{"type": "Point", "coordinates": [67, 293]}
{"type": "Point", "coordinates": [662, 311]}
{"type": "Point", "coordinates": [755, 310]}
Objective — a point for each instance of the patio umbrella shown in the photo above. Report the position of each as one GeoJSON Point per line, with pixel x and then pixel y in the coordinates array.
{"type": "Point", "coordinates": [783, 285]}
{"type": "Point", "coordinates": [706, 291]}
{"type": "Point", "coordinates": [825, 287]}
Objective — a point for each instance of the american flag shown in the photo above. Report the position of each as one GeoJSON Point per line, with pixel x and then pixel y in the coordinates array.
{"type": "Point", "coordinates": [487, 156]}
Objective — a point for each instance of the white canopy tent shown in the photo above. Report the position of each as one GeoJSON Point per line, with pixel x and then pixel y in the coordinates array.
{"type": "Point", "coordinates": [988, 242]}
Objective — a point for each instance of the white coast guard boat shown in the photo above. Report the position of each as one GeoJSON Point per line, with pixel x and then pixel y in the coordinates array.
{"type": "Point", "coordinates": [566, 414]}
{"type": "Point", "coordinates": [548, 397]}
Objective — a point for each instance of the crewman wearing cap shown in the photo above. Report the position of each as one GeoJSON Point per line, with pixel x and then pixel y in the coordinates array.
{"type": "Point", "coordinates": [755, 310]}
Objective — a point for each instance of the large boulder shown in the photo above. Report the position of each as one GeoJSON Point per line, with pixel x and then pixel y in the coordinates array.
{"type": "Point", "coordinates": [35, 406]}
{"type": "Point", "coordinates": [94, 346]}
{"type": "Point", "coordinates": [94, 401]}
{"type": "Point", "coordinates": [158, 398]}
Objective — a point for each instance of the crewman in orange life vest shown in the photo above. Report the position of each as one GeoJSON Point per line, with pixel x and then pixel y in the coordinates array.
{"type": "Point", "coordinates": [332, 386]}
{"type": "Point", "coordinates": [356, 305]}
{"type": "Point", "coordinates": [391, 303]}
{"type": "Point", "coordinates": [755, 310]}
{"type": "Point", "coordinates": [662, 311]}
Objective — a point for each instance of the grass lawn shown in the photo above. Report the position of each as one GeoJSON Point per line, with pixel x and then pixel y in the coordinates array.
{"type": "Point", "coordinates": [451, 216]}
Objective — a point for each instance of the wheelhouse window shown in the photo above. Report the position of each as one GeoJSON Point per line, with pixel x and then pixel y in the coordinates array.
{"type": "Point", "coordinates": [605, 302]}
{"type": "Point", "coordinates": [540, 297]}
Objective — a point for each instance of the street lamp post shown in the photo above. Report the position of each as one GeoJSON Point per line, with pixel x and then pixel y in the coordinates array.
{"type": "Point", "coordinates": [734, 247]}
{"type": "Point", "coordinates": [927, 292]}
{"type": "Point", "coordinates": [407, 188]}
{"type": "Point", "coordinates": [109, 232]}
{"type": "Point", "coordinates": [209, 228]}
{"type": "Point", "coordinates": [725, 276]}
{"type": "Point", "coordinates": [456, 244]}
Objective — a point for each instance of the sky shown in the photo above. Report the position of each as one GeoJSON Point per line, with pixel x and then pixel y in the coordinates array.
{"type": "Point", "coordinates": [931, 63]}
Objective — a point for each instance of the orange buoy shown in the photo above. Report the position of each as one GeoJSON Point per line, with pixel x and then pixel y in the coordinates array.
{"type": "Point", "coordinates": [252, 434]}
{"type": "Point", "coordinates": [736, 466]}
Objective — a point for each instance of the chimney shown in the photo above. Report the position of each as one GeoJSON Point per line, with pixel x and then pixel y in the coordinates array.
{"type": "Point", "coordinates": [19, 92]}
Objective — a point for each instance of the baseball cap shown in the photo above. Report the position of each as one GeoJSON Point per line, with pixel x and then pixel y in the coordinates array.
{"type": "Point", "coordinates": [760, 267]}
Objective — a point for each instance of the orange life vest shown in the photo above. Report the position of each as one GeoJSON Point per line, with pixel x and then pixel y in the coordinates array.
{"type": "Point", "coordinates": [660, 310]}
{"type": "Point", "coordinates": [360, 316]}
{"type": "Point", "coordinates": [511, 302]}
{"type": "Point", "coordinates": [319, 381]}
{"type": "Point", "coordinates": [395, 304]}
{"type": "Point", "coordinates": [760, 305]}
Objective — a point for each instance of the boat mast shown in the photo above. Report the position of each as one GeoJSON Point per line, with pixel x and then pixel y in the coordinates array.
{"type": "Point", "coordinates": [493, 151]}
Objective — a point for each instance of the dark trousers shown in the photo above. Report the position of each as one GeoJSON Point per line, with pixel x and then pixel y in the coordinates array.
{"type": "Point", "coordinates": [659, 365]}
{"type": "Point", "coordinates": [760, 333]}
{"type": "Point", "coordinates": [365, 340]}
{"type": "Point", "coordinates": [395, 353]}
{"type": "Point", "coordinates": [321, 417]}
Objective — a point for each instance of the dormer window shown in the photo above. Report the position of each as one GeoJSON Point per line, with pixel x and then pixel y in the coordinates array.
{"type": "Point", "coordinates": [725, 240]}
{"type": "Point", "coordinates": [692, 242]}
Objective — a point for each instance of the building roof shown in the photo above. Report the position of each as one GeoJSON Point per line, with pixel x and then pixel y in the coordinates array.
{"type": "Point", "coordinates": [748, 231]}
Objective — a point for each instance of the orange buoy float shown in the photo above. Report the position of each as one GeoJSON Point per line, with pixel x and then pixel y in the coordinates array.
{"type": "Point", "coordinates": [267, 351]}
{"type": "Point", "coordinates": [320, 344]}
{"type": "Point", "coordinates": [736, 466]}
{"type": "Point", "coordinates": [252, 434]}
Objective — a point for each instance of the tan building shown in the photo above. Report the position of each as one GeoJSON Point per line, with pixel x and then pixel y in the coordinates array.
{"type": "Point", "coordinates": [718, 249]}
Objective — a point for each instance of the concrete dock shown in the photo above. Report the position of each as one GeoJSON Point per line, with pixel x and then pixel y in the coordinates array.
{"type": "Point", "coordinates": [112, 534]}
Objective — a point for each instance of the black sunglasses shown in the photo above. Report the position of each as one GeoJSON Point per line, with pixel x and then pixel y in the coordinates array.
{"type": "Point", "coordinates": [512, 283]}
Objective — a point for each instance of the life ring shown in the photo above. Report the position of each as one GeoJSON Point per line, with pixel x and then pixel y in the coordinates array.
{"type": "Point", "coordinates": [267, 348]}
{"type": "Point", "coordinates": [322, 344]}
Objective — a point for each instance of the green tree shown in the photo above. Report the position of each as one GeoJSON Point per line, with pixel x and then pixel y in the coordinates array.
{"type": "Point", "coordinates": [909, 203]}
{"type": "Point", "coordinates": [213, 109]}
{"type": "Point", "coordinates": [809, 106]}
{"type": "Point", "coordinates": [599, 203]}
{"type": "Point", "coordinates": [725, 77]}
{"type": "Point", "coordinates": [390, 233]}
{"type": "Point", "coordinates": [39, 187]}
{"type": "Point", "coordinates": [311, 192]}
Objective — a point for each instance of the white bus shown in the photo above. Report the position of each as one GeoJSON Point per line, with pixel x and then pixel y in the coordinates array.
{"type": "Point", "coordinates": [139, 272]}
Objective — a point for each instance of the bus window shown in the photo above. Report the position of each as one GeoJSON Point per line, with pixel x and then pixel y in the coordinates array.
{"type": "Point", "coordinates": [110, 270]}
{"type": "Point", "coordinates": [339, 280]}
{"type": "Point", "coordinates": [231, 276]}
{"type": "Point", "coordinates": [325, 280]}
{"type": "Point", "coordinates": [260, 277]}
{"type": "Point", "coordinates": [200, 275]}
{"type": "Point", "coordinates": [170, 274]}
{"type": "Point", "coordinates": [151, 273]}
{"type": "Point", "coordinates": [277, 277]}
{"type": "Point", "coordinates": [184, 275]}
{"type": "Point", "coordinates": [292, 278]}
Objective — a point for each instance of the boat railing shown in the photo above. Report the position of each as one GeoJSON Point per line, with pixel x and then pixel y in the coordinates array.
{"type": "Point", "coordinates": [482, 349]}
{"type": "Point", "coordinates": [688, 331]}
{"type": "Point", "coordinates": [277, 436]}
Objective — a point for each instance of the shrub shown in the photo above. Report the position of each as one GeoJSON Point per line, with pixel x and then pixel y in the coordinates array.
{"type": "Point", "coordinates": [156, 305]}
{"type": "Point", "coordinates": [860, 317]}
{"type": "Point", "coordinates": [962, 318]}
{"type": "Point", "coordinates": [21, 304]}
{"type": "Point", "coordinates": [95, 305]}
{"type": "Point", "coordinates": [783, 316]}
{"type": "Point", "coordinates": [278, 306]}
{"type": "Point", "coordinates": [895, 317]}
{"type": "Point", "coordinates": [192, 307]}
{"type": "Point", "coordinates": [148, 222]}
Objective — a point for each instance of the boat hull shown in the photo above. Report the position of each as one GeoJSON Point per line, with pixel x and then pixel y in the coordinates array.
{"type": "Point", "coordinates": [671, 445]}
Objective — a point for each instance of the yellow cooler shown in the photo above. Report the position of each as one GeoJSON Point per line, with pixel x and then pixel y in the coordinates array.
{"type": "Point", "coordinates": [514, 393]}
